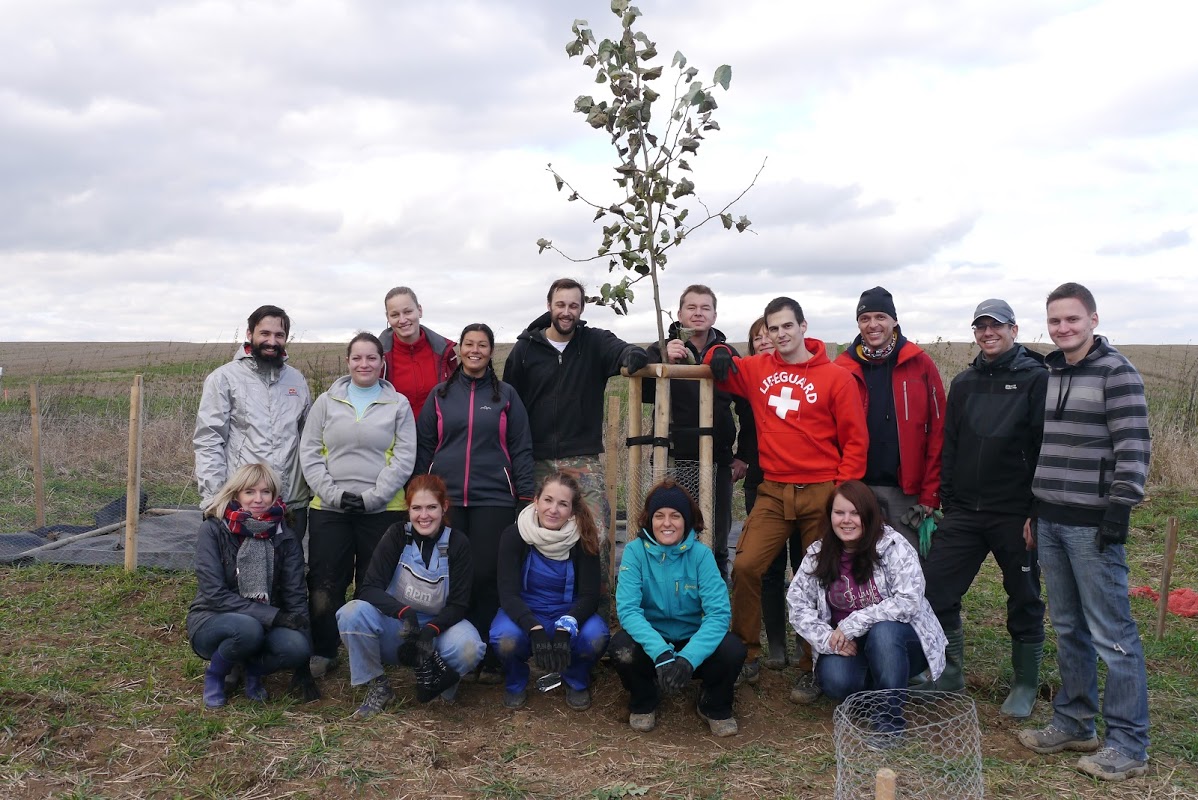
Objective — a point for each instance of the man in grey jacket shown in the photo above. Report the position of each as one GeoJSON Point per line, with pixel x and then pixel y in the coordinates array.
{"type": "Point", "coordinates": [253, 409]}
{"type": "Point", "coordinates": [1092, 469]}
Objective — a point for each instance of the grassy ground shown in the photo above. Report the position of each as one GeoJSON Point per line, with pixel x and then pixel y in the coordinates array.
{"type": "Point", "coordinates": [100, 697]}
{"type": "Point", "coordinates": [99, 691]}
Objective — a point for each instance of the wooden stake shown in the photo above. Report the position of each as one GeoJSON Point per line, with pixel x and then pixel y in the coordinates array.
{"type": "Point", "coordinates": [611, 477]}
{"type": "Point", "coordinates": [1162, 607]}
{"type": "Point", "coordinates": [706, 457]}
{"type": "Point", "coordinates": [39, 478]}
{"type": "Point", "coordinates": [632, 481]}
{"type": "Point", "coordinates": [661, 425]}
{"type": "Point", "coordinates": [133, 484]}
{"type": "Point", "coordinates": [884, 784]}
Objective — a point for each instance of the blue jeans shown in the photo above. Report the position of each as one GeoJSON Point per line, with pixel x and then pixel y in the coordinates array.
{"type": "Point", "coordinates": [886, 657]}
{"type": "Point", "coordinates": [1089, 609]}
{"type": "Point", "coordinates": [372, 639]}
{"type": "Point", "coordinates": [241, 639]}
{"type": "Point", "coordinates": [512, 646]}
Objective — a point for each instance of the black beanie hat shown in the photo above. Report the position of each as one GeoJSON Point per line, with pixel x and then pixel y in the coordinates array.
{"type": "Point", "coordinates": [674, 497]}
{"type": "Point", "coordinates": [876, 299]}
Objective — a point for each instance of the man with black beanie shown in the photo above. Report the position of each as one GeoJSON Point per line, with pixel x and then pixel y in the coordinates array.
{"type": "Point", "coordinates": [904, 411]}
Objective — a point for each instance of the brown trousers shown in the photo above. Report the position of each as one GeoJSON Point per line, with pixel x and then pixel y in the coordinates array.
{"type": "Point", "coordinates": [781, 509]}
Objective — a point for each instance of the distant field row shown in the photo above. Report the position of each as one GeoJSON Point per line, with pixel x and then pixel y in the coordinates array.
{"type": "Point", "coordinates": [24, 360]}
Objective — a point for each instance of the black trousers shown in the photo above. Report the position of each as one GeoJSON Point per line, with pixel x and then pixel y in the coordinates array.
{"type": "Point", "coordinates": [717, 673]}
{"type": "Point", "coordinates": [482, 526]}
{"type": "Point", "coordinates": [959, 546]}
{"type": "Point", "coordinates": [339, 549]}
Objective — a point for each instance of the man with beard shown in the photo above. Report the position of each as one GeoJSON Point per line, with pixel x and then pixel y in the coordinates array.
{"type": "Point", "coordinates": [252, 410]}
{"type": "Point", "coordinates": [560, 367]}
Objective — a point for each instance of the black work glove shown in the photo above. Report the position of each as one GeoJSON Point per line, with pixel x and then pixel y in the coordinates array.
{"type": "Point", "coordinates": [542, 649]}
{"type": "Point", "coordinates": [405, 654]}
{"type": "Point", "coordinates": [303, 685]}
{"type": "Point", "coordinates": [1113, 529]}
{"type": "Point", "coordinates": [722, 364]}
{"type": "Point", "coordinates": [290, 619]}
{"type": "Point", "coordinates": [637, 359]}
{"type": "Point", "coordinates": [521, 504]}
{"type": "Point", "coordinates": [561, 650]}
{"type": "Point", "coordinates": [674, 675]}
{"type": "Point", "coordinates": [352, 503]}
{"type": "Point", "coordinates": [426, 644]}
{"type": "Point", "coordinates": [409, 623]}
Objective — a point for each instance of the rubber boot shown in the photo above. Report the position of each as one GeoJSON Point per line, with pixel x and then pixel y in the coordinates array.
{"type": "Point", "coordinates": [214, 680]}
{"type": "Point", "coordinates": [953, 677]}
{"type": "Point", "coordinates": [254, 690]}
{"type": "Point", "coordinates": [1025, 684]}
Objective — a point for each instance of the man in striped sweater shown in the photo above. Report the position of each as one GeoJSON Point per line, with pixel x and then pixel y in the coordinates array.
{"type": "Point", "coordinates": [1092, 469]}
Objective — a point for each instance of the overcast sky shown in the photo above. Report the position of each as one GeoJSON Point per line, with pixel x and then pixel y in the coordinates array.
{"type": "Point", "coordinates": [165, 167]}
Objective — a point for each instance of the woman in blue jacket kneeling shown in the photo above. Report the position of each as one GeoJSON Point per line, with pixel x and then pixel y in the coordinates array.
{"type": "Point", "coordinates": [251, 606]}
{"type": "Point", "coordinates": [411, 607]}
{"type": "Point", "coordinates": [673, 606]}
{"type": "Point", "coordinates": [549, 592]}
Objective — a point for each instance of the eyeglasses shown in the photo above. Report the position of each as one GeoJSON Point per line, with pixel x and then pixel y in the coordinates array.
{"type": "Point", "coordinates": [988, 326]}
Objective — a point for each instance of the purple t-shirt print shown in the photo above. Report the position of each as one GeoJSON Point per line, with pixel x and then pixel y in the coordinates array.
{"type": "Point", "coordinates": [845, 595]}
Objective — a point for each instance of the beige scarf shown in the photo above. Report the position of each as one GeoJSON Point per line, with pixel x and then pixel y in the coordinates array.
{"type": "Point", "coordinates": [554, 545]}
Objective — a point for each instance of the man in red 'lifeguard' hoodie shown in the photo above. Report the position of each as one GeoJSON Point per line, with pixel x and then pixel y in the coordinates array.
{"type": "Point", "coordinates": [811, 436]}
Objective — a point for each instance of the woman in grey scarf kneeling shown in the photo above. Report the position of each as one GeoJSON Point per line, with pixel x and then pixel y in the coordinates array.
{"type": "Point", "coordinates": [251, 604]}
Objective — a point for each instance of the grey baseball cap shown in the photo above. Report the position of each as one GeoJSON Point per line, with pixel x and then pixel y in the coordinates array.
{"type": "Point", "coordinates": [996, 309]}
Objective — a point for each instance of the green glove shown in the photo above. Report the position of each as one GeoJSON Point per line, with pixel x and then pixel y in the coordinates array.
{"type": "Point", "coordinates": [926, 528]}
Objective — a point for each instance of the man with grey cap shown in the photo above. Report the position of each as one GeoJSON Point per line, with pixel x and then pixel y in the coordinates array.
{"type": "Point", "coordinates": [993, 429]}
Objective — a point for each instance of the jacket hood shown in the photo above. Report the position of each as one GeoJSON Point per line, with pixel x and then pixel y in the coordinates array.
{"type": "Point", "coordinates": [435, 340]}
{"type": "Point", "coordinates": [904, 350]}
{"type": "Point", "coordinates": [1056, 359]}
{"type": "Point", "coordinates": [340, 390]}
{"type": "Point", "coordinates": [659, 550]}
{"type": "Point", "coordinates": [538, 326]}
{"type": "Point", "coordinates": [1017, 358]}
{"type": "Point", "coordinates": [714, 335]}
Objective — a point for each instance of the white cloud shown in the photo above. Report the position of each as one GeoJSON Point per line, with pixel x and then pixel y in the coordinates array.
{"type": "Point", "coordinates": [167, 166]}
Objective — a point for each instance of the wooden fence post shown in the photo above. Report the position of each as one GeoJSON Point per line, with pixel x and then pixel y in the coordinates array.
{"type": "Point", "coordinates": [39, 478]}
{"type": "Point", "coordinates": [1166, 576]}
{"type": "Point", "coordinates": [611, 477]}
{"type": "Point", "coordinates": [707, 458]}
{"type": "Point", "coordinates": [133, 483]}
{"type": "Point", "coordinates": [884, 784]}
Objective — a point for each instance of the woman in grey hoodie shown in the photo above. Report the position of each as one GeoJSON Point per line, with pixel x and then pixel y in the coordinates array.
{"type": "Point", "coordinates": [357, 452]}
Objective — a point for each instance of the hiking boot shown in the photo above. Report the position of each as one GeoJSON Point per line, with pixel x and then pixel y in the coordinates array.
{"type": "Point", "coordinates": [578, 699]}
{"type": "Point", "coordinates": [490, 676]}
{"type": "Point", "coordinates": [806, 689]}
{"type": "Point", "coordinates": [514, 700]}
{"type": "Point", "coordinates": [643, 723]}
{"type": "Point", "coordinates": [750, 673]}
{"type": "Point", "coordinates": [378, 696]}
{"type": "Point", "coordinates": [720, 727]}
{"type": "Point", "coordinates": [1025, 683]}
{"type": "Point", "coordinates": [1053, 740]}
{"type": "Point", "coordinates": [1109, 764]}
{"type": "Point", "coordinates": [320, 666]}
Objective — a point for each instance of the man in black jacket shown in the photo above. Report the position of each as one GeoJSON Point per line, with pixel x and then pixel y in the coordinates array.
{"type": "Point", "coordinates": [696, 320]}
{"type": "Point", "coordinates": [560, 367]}
{"type": "Point", "coordinates": [992, 433]}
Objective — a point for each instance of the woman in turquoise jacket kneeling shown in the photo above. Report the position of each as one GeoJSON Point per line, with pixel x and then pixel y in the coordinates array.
{"type": "Point", "coordinates": [673, 607]}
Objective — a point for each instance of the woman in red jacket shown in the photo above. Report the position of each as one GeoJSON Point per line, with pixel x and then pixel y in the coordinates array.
{"type": "Point", "coordinates": [415, 358]}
